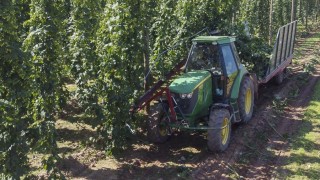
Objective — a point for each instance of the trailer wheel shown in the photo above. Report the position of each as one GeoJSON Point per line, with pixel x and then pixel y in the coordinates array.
{"type": "Point", "coordinates": [246, 100]}
{"type": "Point", "coordinates": [278, 79]}
{"type": "Point", "coordinates": [158, 128]}
{"type": "Point", "coordinates": [219, 137]}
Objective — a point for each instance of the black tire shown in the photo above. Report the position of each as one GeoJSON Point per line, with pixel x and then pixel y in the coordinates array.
{"type": "Point", "coordinates": [278, 79]}
{"type": "Point", "coordinates": [246, 100]}
{"type": "Point", "coordinates": [158, 129]}
{"type": "Point", "coordinates": [219, 138]}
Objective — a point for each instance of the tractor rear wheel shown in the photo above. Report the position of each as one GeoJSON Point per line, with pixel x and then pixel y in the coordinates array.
{"type": "Point", "coordinates": [219, 136]}
{"type": "Point", "coordinates": [158, 127]}
{"type": "Point", "coordinates": [246, 99]}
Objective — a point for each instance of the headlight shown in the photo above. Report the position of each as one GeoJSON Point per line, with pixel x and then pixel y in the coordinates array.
{"type": "Point", "coordinates": [189, 96]}
{"type": "Point", "coordinates": [184, 96]}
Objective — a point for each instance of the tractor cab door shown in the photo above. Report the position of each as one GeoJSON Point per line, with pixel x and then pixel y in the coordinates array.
{"type": "Point", "coordinates": [231, 66]}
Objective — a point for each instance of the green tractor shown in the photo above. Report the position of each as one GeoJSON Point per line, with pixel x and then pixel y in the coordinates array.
{"type": "Point", "coordinates": [213, 91]}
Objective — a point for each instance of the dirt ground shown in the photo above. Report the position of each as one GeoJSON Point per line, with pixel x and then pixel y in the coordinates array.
{"type": "Point", "coordinates": [257, 150]}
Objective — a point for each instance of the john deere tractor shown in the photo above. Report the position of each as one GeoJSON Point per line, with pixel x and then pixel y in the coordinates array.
{"type": "Point", "coordinates": [214, 89]}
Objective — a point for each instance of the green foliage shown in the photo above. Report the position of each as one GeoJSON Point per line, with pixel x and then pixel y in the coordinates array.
{"type": "Point", "coordinates": [254, 53]}
{"type": "Point", "coordinates": [81, 53]}
{"type": "Point", "coordinates": [105, 47]}
{"type": "Point", "coordinates": [310, 67]}
{"type": "Point", "coordinates": [13, 142]}
{"type": "Point", "coordinates": [278, 104]}
{"type": "Point", "coordinates": [120, 59]}
{"type": "Point", "coordinates": [14, 94]}
{"type": "Point", "coordinates": [48, 96]}
{"type": "Point", "coordinates": [256, 13]}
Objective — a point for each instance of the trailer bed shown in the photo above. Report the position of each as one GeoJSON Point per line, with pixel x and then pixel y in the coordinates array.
{"type": "Point", "coordinates": [282, 54]}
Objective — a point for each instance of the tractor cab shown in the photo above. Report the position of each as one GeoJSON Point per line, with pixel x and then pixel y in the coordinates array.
{"type": "Point", "coordinates": [217, 55]}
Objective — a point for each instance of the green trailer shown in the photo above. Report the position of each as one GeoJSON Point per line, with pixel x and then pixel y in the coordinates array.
{"type": "Point", "coordinates": [214, 89]}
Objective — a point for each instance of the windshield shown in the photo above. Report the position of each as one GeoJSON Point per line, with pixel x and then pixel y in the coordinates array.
{"type": "Point", "coordinates": [204, 57]}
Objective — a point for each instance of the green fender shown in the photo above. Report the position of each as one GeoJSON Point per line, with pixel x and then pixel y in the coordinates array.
{"type": "Point", "coordinates": [235, 93]}
{"type": "Point", "coordinates": [237, 83]}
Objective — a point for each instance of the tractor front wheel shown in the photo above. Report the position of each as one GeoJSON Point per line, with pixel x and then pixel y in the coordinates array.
{"type": "Point", "coordinates": [246, 99]}
{"type": "Point", "coordinates": [158, 123]}
{"type": "Point", "coordinates": [219, 135]}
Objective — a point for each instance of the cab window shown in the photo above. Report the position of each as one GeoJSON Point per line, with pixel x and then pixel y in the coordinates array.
{"type": "Point", "coordinates": [231, 66]}
{"type": "Point", "coordinates": [204, 57]}
{"type": "Point", "coordinates": [236, 54]}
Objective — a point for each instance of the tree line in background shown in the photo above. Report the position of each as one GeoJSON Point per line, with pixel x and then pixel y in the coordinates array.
{"type": "Point", "coordinates": [105, 47]}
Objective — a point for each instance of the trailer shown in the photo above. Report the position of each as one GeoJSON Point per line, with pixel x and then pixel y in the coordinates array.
{"type": "Point", "coordinates": [211, 89]}
{"type": "Point", "coordinates": [282, 54]}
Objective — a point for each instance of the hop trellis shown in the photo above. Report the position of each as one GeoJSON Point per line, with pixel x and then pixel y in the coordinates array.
{"type": "Point", "coordinates": [104, 47]}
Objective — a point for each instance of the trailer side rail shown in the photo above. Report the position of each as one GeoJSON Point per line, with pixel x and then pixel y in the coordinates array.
{"type": "Point", "coordinates": [282, 51]}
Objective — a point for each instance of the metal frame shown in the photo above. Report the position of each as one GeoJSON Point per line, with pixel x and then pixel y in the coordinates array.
{"type": "Point", "coordinates": [157, 90]}
{"type": "Point", "coordinates": [282, 51]}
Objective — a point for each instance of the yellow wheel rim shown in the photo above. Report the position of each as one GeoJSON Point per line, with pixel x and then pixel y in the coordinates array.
{"type": "Point", "coordinates": [225, 130]}
{"type": "Point", "coordinates": [163, 130]}
{"type": "Point", "coordinates": [248, 101]}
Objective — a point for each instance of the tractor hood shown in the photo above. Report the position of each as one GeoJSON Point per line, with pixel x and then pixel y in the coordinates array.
{"type": "Point", "coordinates": [188, 82]}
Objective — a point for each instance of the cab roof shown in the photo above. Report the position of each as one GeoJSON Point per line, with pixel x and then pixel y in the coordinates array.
{"type": "Point", "coordinates": [214, 39]}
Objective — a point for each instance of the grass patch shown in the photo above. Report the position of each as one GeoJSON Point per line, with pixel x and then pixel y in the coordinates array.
{"type": "Point", "coordinates": [304, 159]}
{"type": "Point", "coordinates": [305, 46]}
